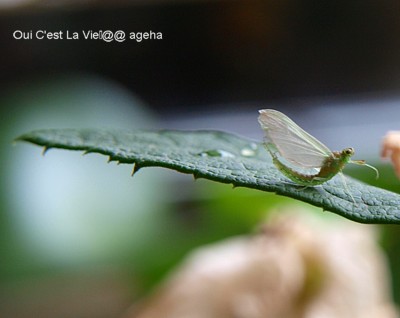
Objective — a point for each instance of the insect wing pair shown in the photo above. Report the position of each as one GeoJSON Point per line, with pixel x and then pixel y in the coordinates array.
{"type": "Point", "coordinates": [284, 139]}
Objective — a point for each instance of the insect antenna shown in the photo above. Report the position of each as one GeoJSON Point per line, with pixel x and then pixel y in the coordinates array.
{"type": "Point", "coordinates": [363, 163]}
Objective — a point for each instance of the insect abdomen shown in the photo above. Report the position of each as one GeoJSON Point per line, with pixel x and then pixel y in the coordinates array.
{"type": "Point", "coordinates": [298, 177]}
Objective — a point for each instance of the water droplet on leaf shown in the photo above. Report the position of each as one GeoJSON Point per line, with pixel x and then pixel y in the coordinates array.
{"type": "Point", "coordinates": [216, 153]}
{"type": "Point", "coordinates": [249, 151]}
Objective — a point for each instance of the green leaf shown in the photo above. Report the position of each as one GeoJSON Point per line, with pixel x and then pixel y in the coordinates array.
{"type": "Point", "coordinates": [226, 158]}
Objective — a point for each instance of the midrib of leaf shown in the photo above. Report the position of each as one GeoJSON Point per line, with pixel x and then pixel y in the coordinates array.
{"type": "Point", "coordinates": [226, 158]}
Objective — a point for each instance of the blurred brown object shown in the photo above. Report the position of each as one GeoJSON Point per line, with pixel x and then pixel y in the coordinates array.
{"type": "Point", "coordinates": [391, 148]}
{"type": "Point", "coordinates": [299, 266]}
{"type": "Point", "coordinates": [95, 292]}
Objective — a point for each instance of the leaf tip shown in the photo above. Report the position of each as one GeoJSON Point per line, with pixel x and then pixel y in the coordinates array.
{"type": "Point", "coordinates": [197, 176]}
{"type": "Point", "coordinates": [88, 151]}
{"type": "Point", "coordinates": [113, 159]}
{"type": "Point", "coordinates": [45, 149]}
{"type": "Point", "coordinates": [135, 169]}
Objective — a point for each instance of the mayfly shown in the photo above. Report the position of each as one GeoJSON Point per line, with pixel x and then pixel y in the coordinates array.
{"type": "Point", "coordinates": [294, 151]}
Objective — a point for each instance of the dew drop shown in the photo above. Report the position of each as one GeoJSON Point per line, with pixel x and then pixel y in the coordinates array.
{"type": "Point", "coordinates": [246, 152]}
{"type": "Point", "coordinates": [249, 151]}
{"type": "Point", "coordinates": [216, 153]}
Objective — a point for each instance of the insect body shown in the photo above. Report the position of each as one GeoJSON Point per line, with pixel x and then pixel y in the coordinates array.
{"type": "Point", "coordinates": [293, 151]}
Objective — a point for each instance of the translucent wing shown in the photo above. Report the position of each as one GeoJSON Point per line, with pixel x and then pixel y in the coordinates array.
{"type": "Point", "coordinates": [293, 143]}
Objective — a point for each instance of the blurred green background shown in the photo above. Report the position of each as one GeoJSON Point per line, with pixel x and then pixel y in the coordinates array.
{"type": "Point", "coordinates": [82, 238]}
